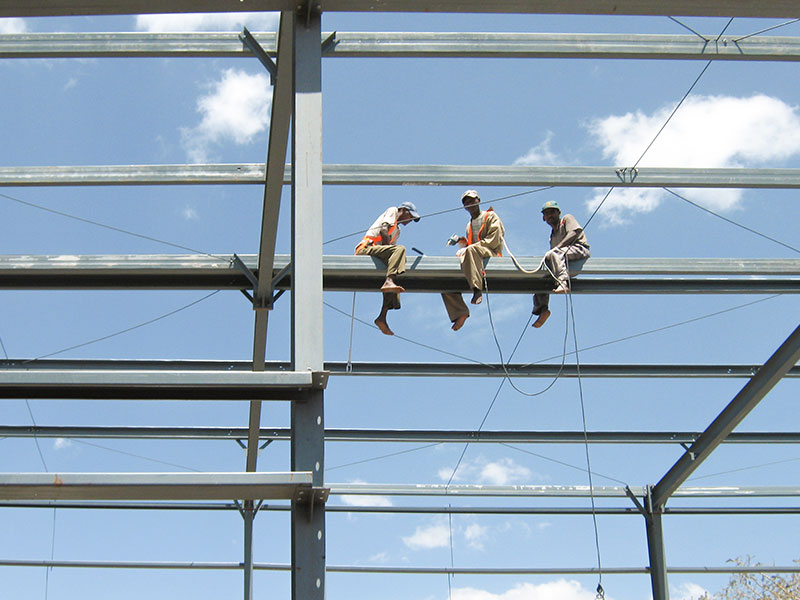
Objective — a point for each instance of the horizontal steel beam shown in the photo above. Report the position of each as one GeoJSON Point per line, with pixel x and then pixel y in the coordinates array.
{"type": "Point", "coordinates": [553, 491]}
{"type": "Point", "coordinates": [194, 565]}
{"type": "Point", "coordinates": [426, 175]}
{"type": "Point", "coordinates": [158, 385]}
{"type": "Point", "coordinates": [154, 486]}
{"type": "Point", "coordinates": [408, 44]}
{"type": "Point", "coordinates": [699, 8]}
{"type": "Point", "coordinates": [379, 369]}
{"type": "Point", "coordinates": [391, 435]}
{"type": "Point", "coordinates": [424, 274]}
{"type": "Point", "coordinates": [434, 510]}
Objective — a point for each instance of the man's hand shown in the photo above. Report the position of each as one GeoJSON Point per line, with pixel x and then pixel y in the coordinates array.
{"type": "Point", "coordinates": [461, 252]}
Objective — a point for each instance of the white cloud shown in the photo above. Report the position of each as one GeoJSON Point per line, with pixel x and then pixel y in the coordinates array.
{"type": "Point", "coordinates": [13, 25]}
{"type": "Point", "coordinates": [475, 535]}
{"type": "Point", "coordinates": [61, 443]}
{"type": "Point", "coordinates": [380, 557]}
{"type": "Point", "coordinates": [353, 500]}
{"type": "Point", "coordinates": [189, 213]}
{"type": "Point", "coordinates": [553, 590]}
{"type": "Point", "coordinates": [501, 472]}
{"type": "Point", "coordinates": [254, 21]}
{"type": "Point", "coordinates": [236, 109]}
{"type": "Point", "coordinates": [687, 591]}
{"type": "Point", "coordinates": [706, 132]}
{"type": "Point", "coordinates": [432, 536]}
{"type": "Point", "coordinates": [541, 154]}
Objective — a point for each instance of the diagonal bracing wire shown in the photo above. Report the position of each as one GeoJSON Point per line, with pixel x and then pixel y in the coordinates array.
{"type": "Point", "coordinates": [732, 222]}
{"type": "Point", "coordinates": [110, 227]}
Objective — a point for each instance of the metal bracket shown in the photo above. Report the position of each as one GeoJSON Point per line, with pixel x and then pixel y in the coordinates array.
{"type": "Point", "coordinates": [252, 44]}
{"type": "Point", "coordinates": [627, 174]}
{"type": "Point", "coordinates": [638, 504]}
{"type": "Point", "coordinates": [329, 43]}
{"type": "Point", "coordinates": [259, 303]}
{"type": "Point", "coordinates": [688, 449]}
{"type": "Point", "coordinates": [305, 11]}
{"type": "Point", "coordinates": [242, 509]}
{"type": "Point", "coordinates": [316, 495]}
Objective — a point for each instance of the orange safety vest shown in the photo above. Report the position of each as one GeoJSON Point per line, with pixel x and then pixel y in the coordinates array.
{"type": "Point", "coordinates": [480, 231]}
{"type": "Point", "coordinates": [376, 240]}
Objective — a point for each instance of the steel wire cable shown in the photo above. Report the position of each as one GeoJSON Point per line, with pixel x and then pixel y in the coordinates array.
{"type": "Point", "coordinates": [122, 331]}
{"type": "Point", "coordinates": [449, 210]}
{"type": "Point", "coordinates": [731, 221]}
{"type": "Point", "coordinates": [110, 227]}
{"type": "Point", "coordinates": [784, 24]}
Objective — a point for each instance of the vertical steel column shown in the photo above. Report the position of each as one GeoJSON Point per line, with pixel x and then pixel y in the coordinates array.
{"type": "Point", "coordinates": [248, 514]}
{"type": "Point", "coordinates": [655, 548]}
{"type": "Point", "coordinates": [308, 427]}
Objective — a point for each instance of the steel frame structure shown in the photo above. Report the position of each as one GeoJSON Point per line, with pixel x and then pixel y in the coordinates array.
{"type": "Point", "coordinates": [297, 97]}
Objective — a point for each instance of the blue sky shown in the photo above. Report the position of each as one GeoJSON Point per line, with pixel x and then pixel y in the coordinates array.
{"type": "Point", "coordinates": [404, 111]}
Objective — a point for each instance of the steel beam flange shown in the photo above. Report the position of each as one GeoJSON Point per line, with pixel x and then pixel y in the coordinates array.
{"type": "Point", "coordinates": [319, 379]}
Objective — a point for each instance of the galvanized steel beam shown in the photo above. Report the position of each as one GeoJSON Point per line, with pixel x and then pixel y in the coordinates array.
{"type": "Point", "coordinates": [428, 273]}
{"type": "Point", "coordinates": [426, 175]}
{"type": "Point", "coordinates": [556, 491]}
{"type": "Point", "coordinates": [408, 44]}
{"type": "Point", "coordinates": [784, 358]}
{"type": "Point", "coordinates": [379, 369]}
{"type": "Point", "coordinates": [152, 486]}
{"type": "Point", "coordinates": [700, 8]}
{"type": "Point", "coordinates": [158, 385]}
{"type": "Point", "coordinates": [392, 435]}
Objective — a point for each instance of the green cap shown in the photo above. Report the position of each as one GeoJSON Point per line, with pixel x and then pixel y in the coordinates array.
{"type": "Point", "coordinates": [550, 204]}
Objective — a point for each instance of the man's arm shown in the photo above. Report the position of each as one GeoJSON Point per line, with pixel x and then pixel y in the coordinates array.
{"type": "Point", "coordinates": [384, 233]}
{"type": "Point", "coordinates": [493, 233]}
{"type": "Point", "coordinates": [574, 231]}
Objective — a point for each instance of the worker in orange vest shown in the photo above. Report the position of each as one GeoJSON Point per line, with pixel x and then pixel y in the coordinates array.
{"type": "Point", "coordinates": [484, 238]}
{"type": "Point", "coordinates": [379, 241]}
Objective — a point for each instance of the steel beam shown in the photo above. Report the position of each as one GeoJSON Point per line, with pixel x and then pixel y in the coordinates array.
{"type": "Point", "coordinates": [424, 274]}
{"type": "Point", "coordinates": [449, 509]}
{"type": "Point", "coordinates": [153, 486]}
{"type": "Point", "coordinates": [392, 435]}
{"type": "Point", "coordinates": [60, 369]}
{"type": "Point", "coordinates": [158, 385]}
{"type": "Point", "coordinates": [307, 414]}
{"type": "Point", "coordinates": [425, 175]}
{"type": "Point", "coordinates": [556, 491]}
{"type": "Point", "coordinates": [408, 45]}
{"type": "Point", "coordinates": [784, 358]}
{"type": "Point", "coordinates": [655, 548]}
{"type": "Point", "coordinates": [387, 570]}
{"type": "Point", "coordinates": [699, 8]}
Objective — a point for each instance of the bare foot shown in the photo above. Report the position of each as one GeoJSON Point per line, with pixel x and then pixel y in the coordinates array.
{"type": "Point", "coordinates": [393, 288]}
{"type": "Point", "coordinates": [561, 289]}
{"type": "Point", "coordinates": [542, 318]}
{"type": "Point", "coordinates": [477, 297]}
{"type": "Point", "coordinates": [459, 322]}
{"type": "Point", "coordinates": [383, 326]}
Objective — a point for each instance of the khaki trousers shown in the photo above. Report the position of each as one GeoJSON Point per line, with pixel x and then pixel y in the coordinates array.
{"type": "Point", "coordinates": [472, 268]}
{"type": "Point", "coordinates": [395, 258]}
{"type": "Point", "coordinates": [557, 260]}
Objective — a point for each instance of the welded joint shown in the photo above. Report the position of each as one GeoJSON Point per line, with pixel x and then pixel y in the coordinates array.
{"type": "Point", "coordinates": [627, 174]}
{"type": "Point", "coordinates": [252, 44]}
{"type": "Point", "coordinates": [248, 507]}
{"type": "Point", "coordinates": [650, 506]}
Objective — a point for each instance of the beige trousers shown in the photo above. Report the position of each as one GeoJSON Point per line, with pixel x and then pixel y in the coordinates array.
{"type": "Point", "coordinates": [472, 268]}
{"type": "Point", "coordinates": [395, 258]}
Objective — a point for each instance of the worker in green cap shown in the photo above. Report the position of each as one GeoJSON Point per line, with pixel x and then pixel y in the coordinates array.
{"type": "Point", "coordinates": [567, 244]}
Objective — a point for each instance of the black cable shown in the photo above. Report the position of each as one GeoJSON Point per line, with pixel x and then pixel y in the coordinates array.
{"type": "Point", "coordinates": [110, 227]}
{"type": "Point", "coordinates": [732, 222]}
{"type": "Point", "coordinates": [111, 335]}
{"type": "Point", "coordinates": [155, 460]}
{"type": "Point", "coordinates": [410, 341]}
{"type": "Point", "coordinates": [449, 210]}
{"type": "Point", "coordinates": [744, 37]}
{"type": "Point", "coordinates": [559, 462]}
{"type": "Point", "coordinates": [586, 446]}
{"type": "Point", "coordinates": [366, 460]}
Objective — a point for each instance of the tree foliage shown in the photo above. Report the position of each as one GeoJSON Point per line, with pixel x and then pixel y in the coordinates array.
{"type": "Point", "coordinates": [758, 586]}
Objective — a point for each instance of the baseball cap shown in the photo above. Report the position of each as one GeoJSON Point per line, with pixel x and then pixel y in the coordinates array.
{"type": "Point", "coordinates": [409, 206]}
{"type": "Point", "coordinates": [470, 194]}
{"type": "Point", "coordinates": [551, 204]}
